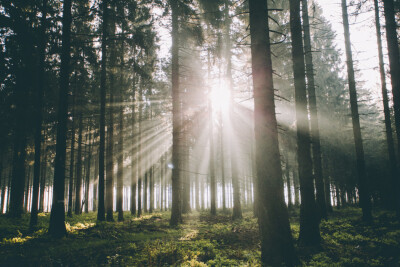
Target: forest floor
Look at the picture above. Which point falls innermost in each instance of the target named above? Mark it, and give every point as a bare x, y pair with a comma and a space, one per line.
202, 240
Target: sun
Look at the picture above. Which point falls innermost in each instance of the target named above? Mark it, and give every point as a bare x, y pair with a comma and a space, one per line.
220, 97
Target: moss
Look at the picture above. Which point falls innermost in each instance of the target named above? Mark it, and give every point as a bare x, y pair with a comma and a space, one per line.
202, 240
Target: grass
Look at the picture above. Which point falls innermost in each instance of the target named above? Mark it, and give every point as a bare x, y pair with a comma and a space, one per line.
202, 240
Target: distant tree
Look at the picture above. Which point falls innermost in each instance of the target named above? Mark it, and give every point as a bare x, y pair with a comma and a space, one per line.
365, 201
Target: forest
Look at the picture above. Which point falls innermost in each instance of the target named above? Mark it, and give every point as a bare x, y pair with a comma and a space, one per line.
199, 133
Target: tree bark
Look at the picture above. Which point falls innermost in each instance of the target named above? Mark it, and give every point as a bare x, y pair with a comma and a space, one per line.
176, 212
276, 239
57, 218
312, 102
72, 157
39, 117
309, 224
394, 63
78, 187
101, 208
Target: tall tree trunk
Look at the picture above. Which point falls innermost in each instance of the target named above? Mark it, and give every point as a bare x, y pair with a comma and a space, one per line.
133, 160
386, 110
26, 197
151, 186
312, 101
309, 224
176, 212
43, 174
57, 218
212, 160
72, 157
88, 164
394, 63
276, 239
140, 160
222, 152
110, 127
39, 117
365, 201
101, 208
120, 158
78, 187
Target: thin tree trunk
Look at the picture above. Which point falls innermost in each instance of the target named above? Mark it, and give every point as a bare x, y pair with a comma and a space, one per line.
39, 117
28, 181
276, 239
57, 218
120, 158
43, 174
309, 223
365, 201
72, 157
140, 160
110, 128
89, 159
101, 208
312, 101
78, 187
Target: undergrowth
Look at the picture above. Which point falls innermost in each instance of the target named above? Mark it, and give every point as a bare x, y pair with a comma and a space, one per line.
202, 240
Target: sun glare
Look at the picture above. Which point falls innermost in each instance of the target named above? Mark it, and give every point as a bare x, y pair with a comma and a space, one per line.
220, 97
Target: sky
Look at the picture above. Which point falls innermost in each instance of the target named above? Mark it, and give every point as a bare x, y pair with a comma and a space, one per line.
363, 40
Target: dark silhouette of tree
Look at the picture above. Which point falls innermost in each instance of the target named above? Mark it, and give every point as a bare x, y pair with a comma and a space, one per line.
276, 239
57, 218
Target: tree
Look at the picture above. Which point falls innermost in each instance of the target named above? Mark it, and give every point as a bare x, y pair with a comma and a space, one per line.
57, 218
394, 63
176, 211
276, 239
312, 100
309, 227
101, 208
39, 117
365, 201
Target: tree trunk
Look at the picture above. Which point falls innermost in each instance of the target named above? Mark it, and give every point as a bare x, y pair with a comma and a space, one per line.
101, 208
39, 117
72, 157
312, 101
43, 174
78, 187
140, 160
120, 159
110, 127
309, 225
386, 110
365, 201
176, 212
394, 63
88, 164
57, 218
276, 239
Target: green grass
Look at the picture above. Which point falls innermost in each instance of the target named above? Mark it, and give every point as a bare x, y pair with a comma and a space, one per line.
202, 240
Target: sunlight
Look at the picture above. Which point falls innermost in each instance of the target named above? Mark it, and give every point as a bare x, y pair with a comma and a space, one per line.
220, 97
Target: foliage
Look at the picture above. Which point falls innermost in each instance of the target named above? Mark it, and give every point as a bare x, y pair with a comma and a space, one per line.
202, 240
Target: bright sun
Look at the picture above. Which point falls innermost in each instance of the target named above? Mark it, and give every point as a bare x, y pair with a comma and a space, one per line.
220, 97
